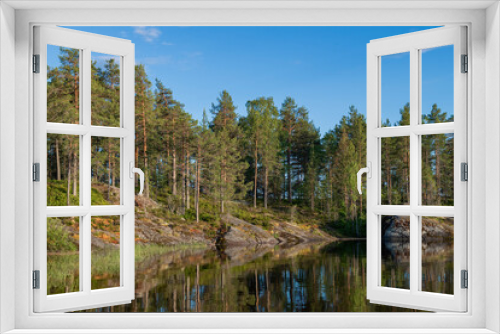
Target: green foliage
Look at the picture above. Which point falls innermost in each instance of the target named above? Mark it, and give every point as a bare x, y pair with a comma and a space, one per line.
97, 198
58, 238
251, 216
208, 217
265, 156
57, 194
190, 214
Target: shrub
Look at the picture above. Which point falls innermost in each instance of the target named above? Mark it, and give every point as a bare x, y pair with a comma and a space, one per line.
190, 214
58, 239
208, 217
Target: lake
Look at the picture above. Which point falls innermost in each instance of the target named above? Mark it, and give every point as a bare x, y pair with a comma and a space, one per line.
310, 277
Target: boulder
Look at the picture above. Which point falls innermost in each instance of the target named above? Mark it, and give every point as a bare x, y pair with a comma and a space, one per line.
433, 229
239, 232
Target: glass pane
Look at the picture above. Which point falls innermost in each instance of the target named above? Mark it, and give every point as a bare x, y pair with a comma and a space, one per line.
63, 255
105, 171
437, 84
437, 254
105, 89
395, 252
395, 174
105, 252
437, 169
63, 170
395, 89
63, 85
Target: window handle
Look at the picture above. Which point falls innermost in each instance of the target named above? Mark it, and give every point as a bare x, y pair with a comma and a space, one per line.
368, 171
134, 170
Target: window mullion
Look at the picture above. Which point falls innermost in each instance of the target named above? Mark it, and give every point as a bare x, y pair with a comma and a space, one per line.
86, 175
414, 172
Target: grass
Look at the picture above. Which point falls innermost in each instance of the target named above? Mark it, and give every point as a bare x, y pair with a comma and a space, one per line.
63, 269
57, 194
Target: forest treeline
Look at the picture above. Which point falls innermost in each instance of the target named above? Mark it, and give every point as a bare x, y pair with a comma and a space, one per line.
268, 154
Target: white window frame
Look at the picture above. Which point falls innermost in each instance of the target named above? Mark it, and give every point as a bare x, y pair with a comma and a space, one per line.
86, 43
483, 101
413, 44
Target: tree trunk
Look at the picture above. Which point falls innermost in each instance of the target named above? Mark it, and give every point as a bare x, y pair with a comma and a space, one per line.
145, 143
183, 184
266, 182
289, 164
312, 197
113, 174
188, 181
198, 185
438, 175
388, 175
75, 174
174, 161
58, 161
255, 177
68, 203
136, 161
329, 197
174, 172
223, 181
109, 169
221, 195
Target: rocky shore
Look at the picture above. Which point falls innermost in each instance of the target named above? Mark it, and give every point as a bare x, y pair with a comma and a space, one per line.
433, 229
233, 232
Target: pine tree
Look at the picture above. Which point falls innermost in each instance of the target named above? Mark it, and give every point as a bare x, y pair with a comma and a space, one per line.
271, 144
165, 105
143, 112
229, 166
290, 116
262, 132
63, 106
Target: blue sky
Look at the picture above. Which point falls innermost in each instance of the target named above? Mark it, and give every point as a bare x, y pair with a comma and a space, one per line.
323, 68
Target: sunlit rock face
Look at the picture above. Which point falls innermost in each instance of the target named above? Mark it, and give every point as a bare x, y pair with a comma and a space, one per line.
433, 229
240, 232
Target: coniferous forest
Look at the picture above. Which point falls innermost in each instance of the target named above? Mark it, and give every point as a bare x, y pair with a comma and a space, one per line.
267, 154
247, 201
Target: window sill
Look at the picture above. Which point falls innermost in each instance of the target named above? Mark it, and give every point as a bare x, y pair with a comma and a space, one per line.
249, 331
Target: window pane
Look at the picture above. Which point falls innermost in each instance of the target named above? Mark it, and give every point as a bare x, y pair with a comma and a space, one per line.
395, 252
63, 255
437, 254
105, 171
105, 252
395, 89
395, 174
437, 170
63, 170
63, 85
105, 90
437, 84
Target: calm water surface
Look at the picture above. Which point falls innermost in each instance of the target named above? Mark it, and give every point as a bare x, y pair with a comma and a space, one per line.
300, 278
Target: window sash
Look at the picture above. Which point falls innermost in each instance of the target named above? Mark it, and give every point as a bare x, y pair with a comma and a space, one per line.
413, 43
86, 297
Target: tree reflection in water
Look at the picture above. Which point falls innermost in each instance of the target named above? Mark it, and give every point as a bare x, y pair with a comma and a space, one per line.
308, 277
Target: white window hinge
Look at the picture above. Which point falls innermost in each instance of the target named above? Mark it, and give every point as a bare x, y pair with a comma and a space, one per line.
36, 172
465, 64
464, 171
36, 279
36, 63
464, 279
